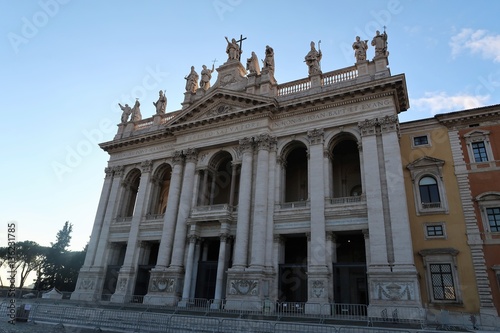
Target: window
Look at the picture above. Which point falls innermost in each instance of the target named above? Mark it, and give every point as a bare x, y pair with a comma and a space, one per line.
489, 206
441, 275
428, 187
420, 140
434, 230
429, 192
442, 282
493, 218
478, 147
479, 150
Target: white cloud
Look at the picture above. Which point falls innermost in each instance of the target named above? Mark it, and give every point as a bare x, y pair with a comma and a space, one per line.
477, 42
438, 102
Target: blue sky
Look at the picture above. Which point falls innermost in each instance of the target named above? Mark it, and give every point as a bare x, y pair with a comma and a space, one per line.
67, 63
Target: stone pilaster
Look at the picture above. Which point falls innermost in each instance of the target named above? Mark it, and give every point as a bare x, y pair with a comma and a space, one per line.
318, 278
186, 290
221, 268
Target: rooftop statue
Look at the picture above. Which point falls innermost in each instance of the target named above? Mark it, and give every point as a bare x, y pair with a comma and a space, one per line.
192, 81
206, 75
233, 50
269, 60
380, 43
312, 59
360, 47
136, 112
161, 104
253, 64
127, 110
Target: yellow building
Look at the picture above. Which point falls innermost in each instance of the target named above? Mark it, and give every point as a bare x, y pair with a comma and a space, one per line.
442, 255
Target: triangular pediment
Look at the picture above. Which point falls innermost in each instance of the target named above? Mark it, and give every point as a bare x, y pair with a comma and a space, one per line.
219, 105
424, 162
476, 133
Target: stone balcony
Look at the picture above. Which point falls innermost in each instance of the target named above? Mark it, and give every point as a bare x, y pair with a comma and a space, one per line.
213, 212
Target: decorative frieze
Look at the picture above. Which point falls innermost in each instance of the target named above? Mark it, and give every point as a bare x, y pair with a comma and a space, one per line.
394, 291
244, 287
162, 284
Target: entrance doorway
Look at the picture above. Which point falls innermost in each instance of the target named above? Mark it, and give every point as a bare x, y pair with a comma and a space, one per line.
350, 282
207, 269
293, 272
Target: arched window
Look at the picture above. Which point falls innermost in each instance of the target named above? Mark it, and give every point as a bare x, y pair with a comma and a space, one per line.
296, 182
429, 190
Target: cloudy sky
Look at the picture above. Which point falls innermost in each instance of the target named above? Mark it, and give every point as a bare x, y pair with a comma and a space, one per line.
67, 63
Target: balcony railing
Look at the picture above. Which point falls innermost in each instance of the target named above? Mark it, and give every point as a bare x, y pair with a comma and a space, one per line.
294, 204
347, 200
431, 205
154, 217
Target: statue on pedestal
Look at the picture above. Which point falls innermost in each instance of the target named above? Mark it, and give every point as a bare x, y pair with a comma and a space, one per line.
380, 43
360, 47
233, 50
136, 112
161, 104
127, 110
192, 81
269, 60
206, 75
312, 59
253, 64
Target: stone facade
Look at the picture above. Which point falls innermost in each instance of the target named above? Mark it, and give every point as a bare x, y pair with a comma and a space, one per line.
259, 191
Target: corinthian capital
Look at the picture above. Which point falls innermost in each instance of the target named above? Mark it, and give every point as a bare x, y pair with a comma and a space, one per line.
265, 141
178, 157
191, 155
316, 136
246, 145
146, 166
367, 126
389, 123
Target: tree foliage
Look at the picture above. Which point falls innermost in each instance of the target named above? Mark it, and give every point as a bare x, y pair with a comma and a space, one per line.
29, 257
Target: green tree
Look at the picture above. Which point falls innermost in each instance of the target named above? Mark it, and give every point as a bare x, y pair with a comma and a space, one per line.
29, 257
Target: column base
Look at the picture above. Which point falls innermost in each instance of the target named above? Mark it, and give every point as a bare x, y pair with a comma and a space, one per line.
124, 286
89, 284
318, 281
247, 290
165, 287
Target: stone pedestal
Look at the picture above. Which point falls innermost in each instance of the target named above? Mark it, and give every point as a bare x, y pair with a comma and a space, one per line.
381, 69
89, 285
232, 75
363, 71
318, 282
124, 286
315, 80
165, 287
246, 290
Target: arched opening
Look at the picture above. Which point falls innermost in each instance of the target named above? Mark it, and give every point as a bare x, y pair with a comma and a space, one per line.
130, 189
296, 178
161, 186
346, 170
218, 185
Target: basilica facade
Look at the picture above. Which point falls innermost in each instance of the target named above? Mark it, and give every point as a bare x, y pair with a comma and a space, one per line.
258, 191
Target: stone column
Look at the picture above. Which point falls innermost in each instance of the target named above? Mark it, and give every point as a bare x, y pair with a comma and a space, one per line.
260, 203
126, 276
244, 201
197, 253
196, 186
113, 202
327, 174
99, 218
204, 189
186, 291
221, 268
318, 275
184, 209
373, 184
270, 205
91, 276
167, 235
234, 168
366, 235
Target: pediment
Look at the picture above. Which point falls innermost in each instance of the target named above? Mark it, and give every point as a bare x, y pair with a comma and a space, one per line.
424, 162
219, 105
476, 133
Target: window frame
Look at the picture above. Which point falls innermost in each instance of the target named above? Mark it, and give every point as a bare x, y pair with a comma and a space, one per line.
413, 137
441, 256
476, 136
488, 200
435, 224
433, 167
